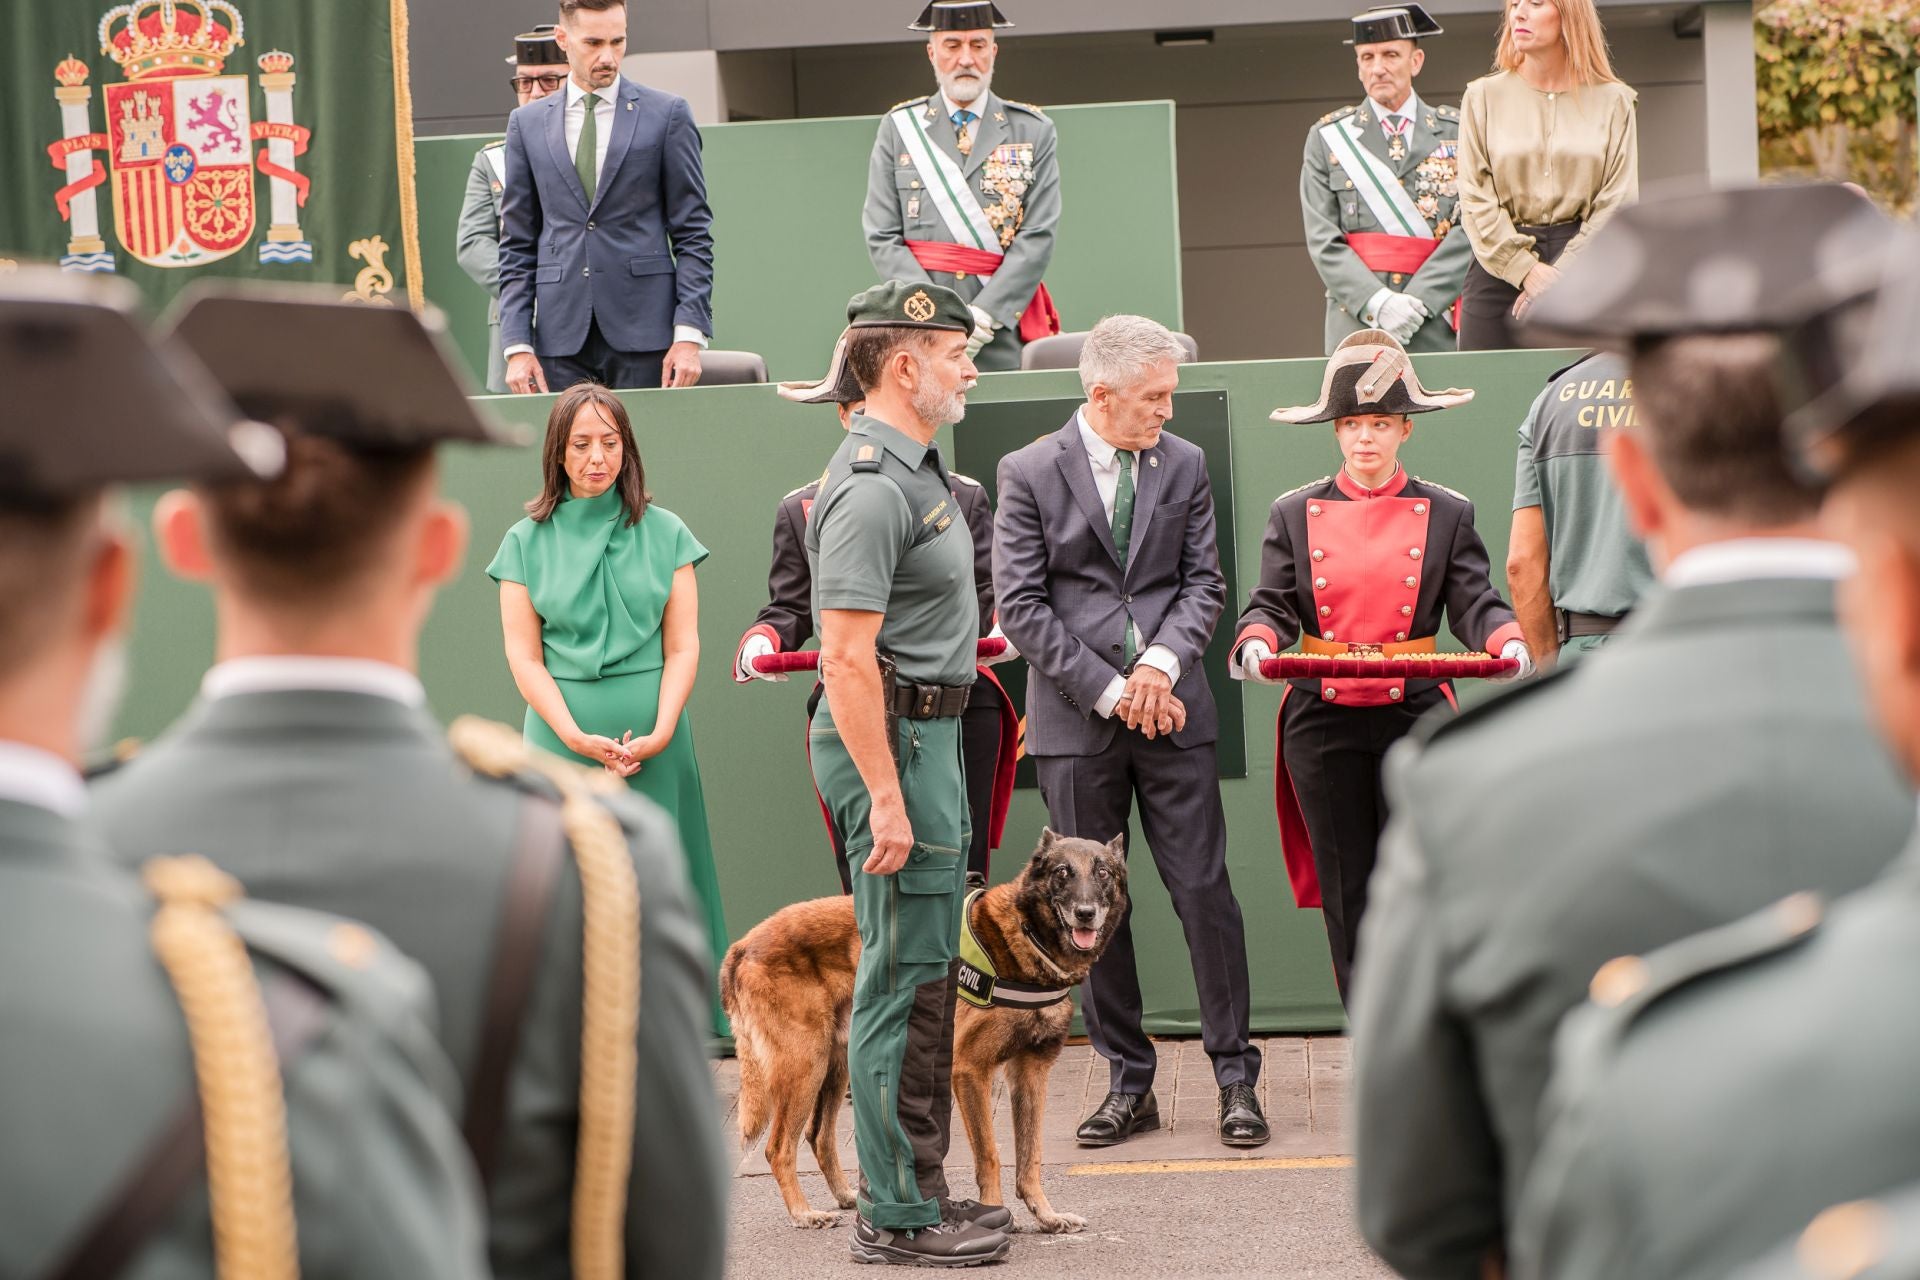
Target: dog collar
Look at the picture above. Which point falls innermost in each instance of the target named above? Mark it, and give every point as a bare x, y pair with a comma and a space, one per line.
980, 986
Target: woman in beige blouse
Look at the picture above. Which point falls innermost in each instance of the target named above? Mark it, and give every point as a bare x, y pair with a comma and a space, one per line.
1548, 150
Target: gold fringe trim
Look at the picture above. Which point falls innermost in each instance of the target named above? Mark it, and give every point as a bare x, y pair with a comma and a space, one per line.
610, 1012
403, 144
249, 1173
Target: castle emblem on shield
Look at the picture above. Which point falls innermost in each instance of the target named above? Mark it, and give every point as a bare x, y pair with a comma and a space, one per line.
178, 143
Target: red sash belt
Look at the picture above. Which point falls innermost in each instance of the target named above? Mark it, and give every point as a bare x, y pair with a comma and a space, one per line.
1405, 254
1039, 320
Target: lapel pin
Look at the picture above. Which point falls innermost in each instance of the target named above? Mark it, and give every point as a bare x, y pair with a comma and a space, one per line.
1152, 461
629, 104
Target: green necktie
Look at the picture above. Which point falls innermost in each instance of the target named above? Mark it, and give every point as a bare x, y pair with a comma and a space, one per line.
583, 155
1123, 533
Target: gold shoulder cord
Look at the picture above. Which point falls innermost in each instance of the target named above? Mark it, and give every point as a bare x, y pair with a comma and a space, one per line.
249, 1175
610, 1014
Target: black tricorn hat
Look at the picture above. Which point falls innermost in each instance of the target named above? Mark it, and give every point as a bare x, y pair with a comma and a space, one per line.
537, 48
1392, 22
1369, 372
839, 386
960, 15
75, 358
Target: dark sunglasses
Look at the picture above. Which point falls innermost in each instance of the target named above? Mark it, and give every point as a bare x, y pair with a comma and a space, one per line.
520, 84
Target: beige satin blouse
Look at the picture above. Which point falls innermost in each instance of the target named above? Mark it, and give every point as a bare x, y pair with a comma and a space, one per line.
1535, 159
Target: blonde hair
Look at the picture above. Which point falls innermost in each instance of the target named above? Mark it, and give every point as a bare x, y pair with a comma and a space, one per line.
1581, 34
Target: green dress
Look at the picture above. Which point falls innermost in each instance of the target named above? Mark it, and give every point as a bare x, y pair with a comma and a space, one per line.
601, 589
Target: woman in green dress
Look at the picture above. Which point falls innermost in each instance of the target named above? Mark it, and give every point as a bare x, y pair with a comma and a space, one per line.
601, 617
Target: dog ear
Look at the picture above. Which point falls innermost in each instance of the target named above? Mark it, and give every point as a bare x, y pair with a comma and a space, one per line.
1048, 838
1038, 862
1118, 846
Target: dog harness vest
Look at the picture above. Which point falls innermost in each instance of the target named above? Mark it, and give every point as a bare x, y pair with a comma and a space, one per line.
982, 988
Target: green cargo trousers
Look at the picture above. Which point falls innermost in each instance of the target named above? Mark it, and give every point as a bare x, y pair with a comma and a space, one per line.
1580, 646
900, 1049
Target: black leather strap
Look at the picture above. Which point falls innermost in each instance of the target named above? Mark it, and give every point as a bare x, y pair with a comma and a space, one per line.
1570, 625
930, 701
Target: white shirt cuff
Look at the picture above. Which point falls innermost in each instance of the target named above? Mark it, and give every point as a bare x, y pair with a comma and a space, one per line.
687, 333
518, 348
1161, 658
1111, 698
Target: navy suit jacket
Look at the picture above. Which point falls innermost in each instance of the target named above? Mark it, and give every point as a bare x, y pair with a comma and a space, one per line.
639, 260
1064, 596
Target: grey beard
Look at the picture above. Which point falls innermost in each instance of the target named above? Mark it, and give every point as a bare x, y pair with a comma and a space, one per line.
947, 87
930, 405
100, 700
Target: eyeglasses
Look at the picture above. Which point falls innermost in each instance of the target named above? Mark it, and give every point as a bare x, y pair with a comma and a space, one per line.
524, 84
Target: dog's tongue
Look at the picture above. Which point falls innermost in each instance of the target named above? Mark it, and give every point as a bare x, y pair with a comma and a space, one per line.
1085, 938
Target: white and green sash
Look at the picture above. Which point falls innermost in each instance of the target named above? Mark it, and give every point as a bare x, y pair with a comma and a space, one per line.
1377, 184
946, 185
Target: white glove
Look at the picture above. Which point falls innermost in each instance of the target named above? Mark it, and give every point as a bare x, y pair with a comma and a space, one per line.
983, 327
1401, 316
1008, 655
1252, 654
1517, 649
757, 646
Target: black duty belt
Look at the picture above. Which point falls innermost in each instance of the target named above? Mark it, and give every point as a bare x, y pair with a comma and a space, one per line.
1568, 625
929, 701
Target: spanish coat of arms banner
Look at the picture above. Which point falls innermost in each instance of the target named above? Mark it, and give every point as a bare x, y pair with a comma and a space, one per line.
164, 140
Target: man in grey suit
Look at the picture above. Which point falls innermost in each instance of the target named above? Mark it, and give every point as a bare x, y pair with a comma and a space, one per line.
1107, 570
963, 189
310, 771
539, 68
1715, 757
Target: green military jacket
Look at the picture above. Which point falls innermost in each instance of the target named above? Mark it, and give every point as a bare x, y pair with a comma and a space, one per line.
1719, 1093
355, 804
95, 1067
478, 246
1012, 172
1718, 756
1333, 203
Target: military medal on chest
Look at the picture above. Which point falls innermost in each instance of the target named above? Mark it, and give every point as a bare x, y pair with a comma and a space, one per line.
1397, 148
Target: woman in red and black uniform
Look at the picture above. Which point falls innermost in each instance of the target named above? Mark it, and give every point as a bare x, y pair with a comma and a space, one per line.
1371, 556
989, 729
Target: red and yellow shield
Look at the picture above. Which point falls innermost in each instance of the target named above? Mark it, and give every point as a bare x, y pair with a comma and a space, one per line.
182, 169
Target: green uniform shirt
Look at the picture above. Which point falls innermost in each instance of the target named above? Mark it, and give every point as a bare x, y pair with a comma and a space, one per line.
597, 584
887, 537
1595, 563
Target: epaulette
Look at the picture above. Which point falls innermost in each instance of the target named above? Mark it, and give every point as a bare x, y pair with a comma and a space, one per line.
908, 103
1447, 113
964, 479
1027, 107
1428, 731
1311, 484
123, 753
864, 464
494, 145
1434, 484
1341, 114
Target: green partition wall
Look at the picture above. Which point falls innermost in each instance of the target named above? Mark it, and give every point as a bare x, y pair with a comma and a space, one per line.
789, 251
721, 457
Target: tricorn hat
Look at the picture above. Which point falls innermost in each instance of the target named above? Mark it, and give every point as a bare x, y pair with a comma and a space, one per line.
73, 350
1392, 22
959, 15
838, 387
537, 48
1369, 372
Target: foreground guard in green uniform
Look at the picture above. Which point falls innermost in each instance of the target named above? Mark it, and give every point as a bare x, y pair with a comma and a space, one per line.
1717, 757
310, 770
1716, 1095
282, 1056
892, 566
1574, 564
963, 189
539, 68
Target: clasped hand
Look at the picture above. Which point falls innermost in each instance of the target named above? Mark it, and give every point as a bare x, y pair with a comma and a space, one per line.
1147, 703
621, 756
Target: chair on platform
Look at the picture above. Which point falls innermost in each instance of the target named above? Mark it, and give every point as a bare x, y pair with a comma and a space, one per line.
1062, 351
731, 368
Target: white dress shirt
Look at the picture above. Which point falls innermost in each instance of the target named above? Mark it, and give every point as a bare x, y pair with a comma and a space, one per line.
1408, 111
29, 775
573, 120
1758, 559
310, 674
1106, 462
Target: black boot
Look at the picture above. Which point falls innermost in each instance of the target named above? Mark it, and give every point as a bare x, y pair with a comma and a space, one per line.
949, 1243
1241, 1123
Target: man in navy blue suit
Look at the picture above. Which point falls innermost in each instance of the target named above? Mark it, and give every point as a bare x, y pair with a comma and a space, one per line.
606, 241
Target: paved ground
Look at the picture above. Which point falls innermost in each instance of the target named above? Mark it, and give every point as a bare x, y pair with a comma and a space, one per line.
1171, 1203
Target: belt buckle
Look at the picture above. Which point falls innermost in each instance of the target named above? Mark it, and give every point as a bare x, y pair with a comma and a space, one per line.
1360, 649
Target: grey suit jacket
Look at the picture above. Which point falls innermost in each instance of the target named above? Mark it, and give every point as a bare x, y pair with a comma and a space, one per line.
1716, 757
1064, 596
478, 248
354, 804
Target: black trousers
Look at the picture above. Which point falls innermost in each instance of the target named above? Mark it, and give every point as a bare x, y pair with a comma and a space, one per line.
1333, 754
597, 361
980, 751
1178, 790
1486, 304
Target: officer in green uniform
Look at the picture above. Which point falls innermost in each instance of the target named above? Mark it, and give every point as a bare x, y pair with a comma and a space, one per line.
283, 1055
1717, 757
1716, 1095
556, 926
539, 68
1574, 564
892, 567
963, 189
1378, 195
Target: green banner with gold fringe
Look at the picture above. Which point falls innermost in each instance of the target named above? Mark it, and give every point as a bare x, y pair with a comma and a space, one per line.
165, 140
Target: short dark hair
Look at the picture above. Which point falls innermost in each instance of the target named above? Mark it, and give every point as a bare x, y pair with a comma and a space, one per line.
570, 7
1711, 416
871, 346
43, 549
313, 532
632, 480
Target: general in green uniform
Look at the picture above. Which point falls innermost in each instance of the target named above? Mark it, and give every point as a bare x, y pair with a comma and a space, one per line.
286, 1055
888, 548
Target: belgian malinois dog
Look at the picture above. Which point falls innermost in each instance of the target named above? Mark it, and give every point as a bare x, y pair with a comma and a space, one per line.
788, 986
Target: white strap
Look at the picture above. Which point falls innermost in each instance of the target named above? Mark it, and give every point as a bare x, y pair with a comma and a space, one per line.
946, 185
497, 161
1377, 184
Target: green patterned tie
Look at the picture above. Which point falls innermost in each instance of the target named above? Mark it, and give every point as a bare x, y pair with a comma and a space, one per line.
583, 155
1123, 532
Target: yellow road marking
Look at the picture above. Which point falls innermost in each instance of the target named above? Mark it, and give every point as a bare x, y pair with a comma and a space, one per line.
1210, 1166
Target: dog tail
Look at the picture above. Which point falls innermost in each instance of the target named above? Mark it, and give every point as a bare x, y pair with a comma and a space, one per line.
754, 1110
